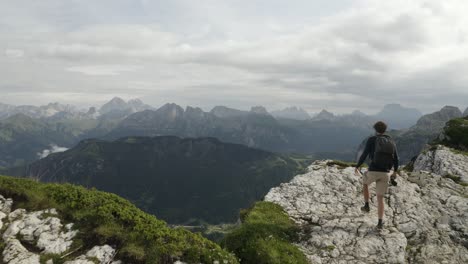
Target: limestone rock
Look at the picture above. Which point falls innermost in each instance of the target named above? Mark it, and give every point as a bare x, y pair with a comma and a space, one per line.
5, 205
42, 231
425, 218
40, 228
16, 253
443, 161
104, 254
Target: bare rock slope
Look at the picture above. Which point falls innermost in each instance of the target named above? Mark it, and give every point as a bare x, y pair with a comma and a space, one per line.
426, 218
443, 161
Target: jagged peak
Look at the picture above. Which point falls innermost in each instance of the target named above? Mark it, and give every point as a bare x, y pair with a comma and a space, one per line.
324, 115
259, 110
292, 112
171, 110
224, 111
394, 107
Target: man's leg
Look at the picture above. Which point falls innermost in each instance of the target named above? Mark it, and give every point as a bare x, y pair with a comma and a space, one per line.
380, 201
380, 209
381, 188
365, 191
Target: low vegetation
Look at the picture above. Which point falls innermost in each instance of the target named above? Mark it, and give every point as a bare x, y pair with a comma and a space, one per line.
456, 179
341, 164
106, 218
265, 236
456, 134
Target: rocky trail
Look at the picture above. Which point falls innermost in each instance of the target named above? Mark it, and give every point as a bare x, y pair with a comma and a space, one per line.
426, 217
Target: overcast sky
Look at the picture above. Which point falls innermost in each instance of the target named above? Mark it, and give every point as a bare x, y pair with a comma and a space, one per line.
335, 54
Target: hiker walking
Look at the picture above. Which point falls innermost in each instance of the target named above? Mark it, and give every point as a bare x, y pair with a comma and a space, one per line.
382, 152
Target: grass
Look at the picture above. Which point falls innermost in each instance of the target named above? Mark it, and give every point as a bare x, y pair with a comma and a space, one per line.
107, 218
341, 164
266, 236
456, 179
330, 248
409, 167
457, 151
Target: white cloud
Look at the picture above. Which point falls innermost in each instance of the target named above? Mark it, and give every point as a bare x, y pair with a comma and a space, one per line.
103, 70
410, 52
14, 53
53, 149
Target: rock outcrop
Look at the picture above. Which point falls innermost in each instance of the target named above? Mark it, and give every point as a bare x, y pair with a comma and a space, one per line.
28, 236
412, 141
425, 218
443, 161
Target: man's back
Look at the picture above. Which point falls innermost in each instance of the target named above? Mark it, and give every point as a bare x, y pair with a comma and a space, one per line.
383, 162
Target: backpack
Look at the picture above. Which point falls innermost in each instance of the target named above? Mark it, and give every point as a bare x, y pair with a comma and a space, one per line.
384, 152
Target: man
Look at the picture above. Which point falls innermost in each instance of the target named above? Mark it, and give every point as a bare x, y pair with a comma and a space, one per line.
383, 154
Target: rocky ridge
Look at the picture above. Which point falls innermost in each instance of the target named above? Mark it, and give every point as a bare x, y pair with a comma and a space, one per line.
443, 161
29, 237
425, 217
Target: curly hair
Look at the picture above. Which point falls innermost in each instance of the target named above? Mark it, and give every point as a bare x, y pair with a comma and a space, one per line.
380, 127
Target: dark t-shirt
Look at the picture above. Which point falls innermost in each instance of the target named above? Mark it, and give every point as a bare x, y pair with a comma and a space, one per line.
369, 151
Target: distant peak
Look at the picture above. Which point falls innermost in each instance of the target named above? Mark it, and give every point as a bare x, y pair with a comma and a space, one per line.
259, 110
117, 99
450, 108
393, 105
324, 115
135, 100
224, 111
172, 110
358, 113
170, 105
324, 112
292, 112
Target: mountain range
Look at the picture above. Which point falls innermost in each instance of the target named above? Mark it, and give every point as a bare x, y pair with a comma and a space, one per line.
325, 135
179, 180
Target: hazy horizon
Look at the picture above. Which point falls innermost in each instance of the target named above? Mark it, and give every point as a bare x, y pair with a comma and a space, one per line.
337, 55
207, 109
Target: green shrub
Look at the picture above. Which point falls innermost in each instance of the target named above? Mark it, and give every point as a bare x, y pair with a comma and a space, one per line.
456, 132
106, 218
265, 236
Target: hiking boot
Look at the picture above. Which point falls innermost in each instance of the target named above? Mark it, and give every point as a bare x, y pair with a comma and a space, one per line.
365, 208
380, 226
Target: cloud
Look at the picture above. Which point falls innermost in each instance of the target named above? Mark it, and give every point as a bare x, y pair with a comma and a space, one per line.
53, 149
345, 55
103, 70
14, 53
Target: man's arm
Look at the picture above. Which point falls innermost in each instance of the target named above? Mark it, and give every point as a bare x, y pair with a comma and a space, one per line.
364, 154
